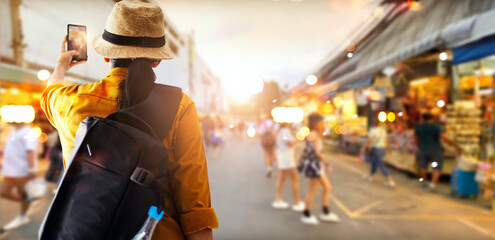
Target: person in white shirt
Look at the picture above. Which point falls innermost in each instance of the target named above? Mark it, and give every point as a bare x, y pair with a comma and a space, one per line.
287, 166
19, 166
376, 147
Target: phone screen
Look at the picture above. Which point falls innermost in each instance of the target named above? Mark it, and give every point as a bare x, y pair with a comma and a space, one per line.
77, 41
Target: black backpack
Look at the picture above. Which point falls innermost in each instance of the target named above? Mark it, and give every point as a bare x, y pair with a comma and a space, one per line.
116, 171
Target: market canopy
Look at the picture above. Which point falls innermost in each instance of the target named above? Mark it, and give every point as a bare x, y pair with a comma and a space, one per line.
469, 30
18, 74
477, 50
360, 83
412, 34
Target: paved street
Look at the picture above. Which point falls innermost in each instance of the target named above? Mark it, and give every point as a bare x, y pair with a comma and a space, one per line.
241, 195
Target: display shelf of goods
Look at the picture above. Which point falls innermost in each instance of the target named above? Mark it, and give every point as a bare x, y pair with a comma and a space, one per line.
464, 127
486, 177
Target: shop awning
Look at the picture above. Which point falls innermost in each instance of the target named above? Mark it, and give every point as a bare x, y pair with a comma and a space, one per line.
412, 34
469, 30
360, 83
328, 95
380, 63
17, 74
477, 50
13, 73
344, 68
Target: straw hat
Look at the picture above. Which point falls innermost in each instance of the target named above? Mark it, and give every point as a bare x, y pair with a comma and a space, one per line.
133, 30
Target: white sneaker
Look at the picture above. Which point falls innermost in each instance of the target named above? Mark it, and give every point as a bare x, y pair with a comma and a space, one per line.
331, 217
280, 205
17, 222
299, 207
310, 220
368, 178
390, 183
431, 187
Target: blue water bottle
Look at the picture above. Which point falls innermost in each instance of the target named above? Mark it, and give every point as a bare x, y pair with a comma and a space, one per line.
147, 229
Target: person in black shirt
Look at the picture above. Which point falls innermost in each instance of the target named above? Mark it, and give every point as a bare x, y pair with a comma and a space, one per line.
428, 135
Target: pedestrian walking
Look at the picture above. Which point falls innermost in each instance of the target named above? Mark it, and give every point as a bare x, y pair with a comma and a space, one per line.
376, 147
241, 129
19, 166
287, 166
54, 173
314, 166
232, 131
268, 143
207, 126
133, 43
428, 136
217, 138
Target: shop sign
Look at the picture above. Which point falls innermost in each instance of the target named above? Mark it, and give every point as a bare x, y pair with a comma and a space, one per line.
401, 85
395, 104
326, 109
377, 95
469, 82
362, 97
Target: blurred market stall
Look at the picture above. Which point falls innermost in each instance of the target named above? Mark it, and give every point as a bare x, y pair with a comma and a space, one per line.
408, 58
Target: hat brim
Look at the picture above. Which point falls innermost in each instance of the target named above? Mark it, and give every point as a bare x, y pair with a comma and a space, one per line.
110, 50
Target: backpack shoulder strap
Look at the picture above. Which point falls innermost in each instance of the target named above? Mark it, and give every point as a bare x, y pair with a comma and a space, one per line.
159, 109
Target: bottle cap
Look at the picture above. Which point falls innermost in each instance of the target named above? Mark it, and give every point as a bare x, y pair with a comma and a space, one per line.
153, 212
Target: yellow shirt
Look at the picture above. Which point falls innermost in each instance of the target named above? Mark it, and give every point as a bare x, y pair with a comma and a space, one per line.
187, 193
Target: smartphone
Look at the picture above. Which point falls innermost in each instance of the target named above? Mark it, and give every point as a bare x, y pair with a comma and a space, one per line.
76, 40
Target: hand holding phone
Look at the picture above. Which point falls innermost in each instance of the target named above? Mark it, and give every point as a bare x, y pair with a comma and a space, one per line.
77, 40
64, 63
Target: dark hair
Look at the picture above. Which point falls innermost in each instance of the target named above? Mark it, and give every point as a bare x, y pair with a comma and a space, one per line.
313, 119
427, 116
139, 81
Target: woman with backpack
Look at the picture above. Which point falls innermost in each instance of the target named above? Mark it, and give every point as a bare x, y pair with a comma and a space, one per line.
314, 166
287, 166
133, 43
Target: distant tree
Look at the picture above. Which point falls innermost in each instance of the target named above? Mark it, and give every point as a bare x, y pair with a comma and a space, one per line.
259, 104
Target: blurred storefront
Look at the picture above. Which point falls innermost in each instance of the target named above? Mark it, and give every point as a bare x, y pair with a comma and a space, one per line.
21, 87
437, 59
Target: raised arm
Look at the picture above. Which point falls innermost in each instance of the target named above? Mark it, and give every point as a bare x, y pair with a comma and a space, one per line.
64, 63
446, 139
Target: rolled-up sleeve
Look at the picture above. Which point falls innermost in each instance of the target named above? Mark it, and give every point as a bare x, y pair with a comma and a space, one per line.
189, 174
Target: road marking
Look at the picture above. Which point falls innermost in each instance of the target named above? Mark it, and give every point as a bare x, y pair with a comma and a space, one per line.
349, 167
441, 199
373, 204
450, 202
476, 227
342, 206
